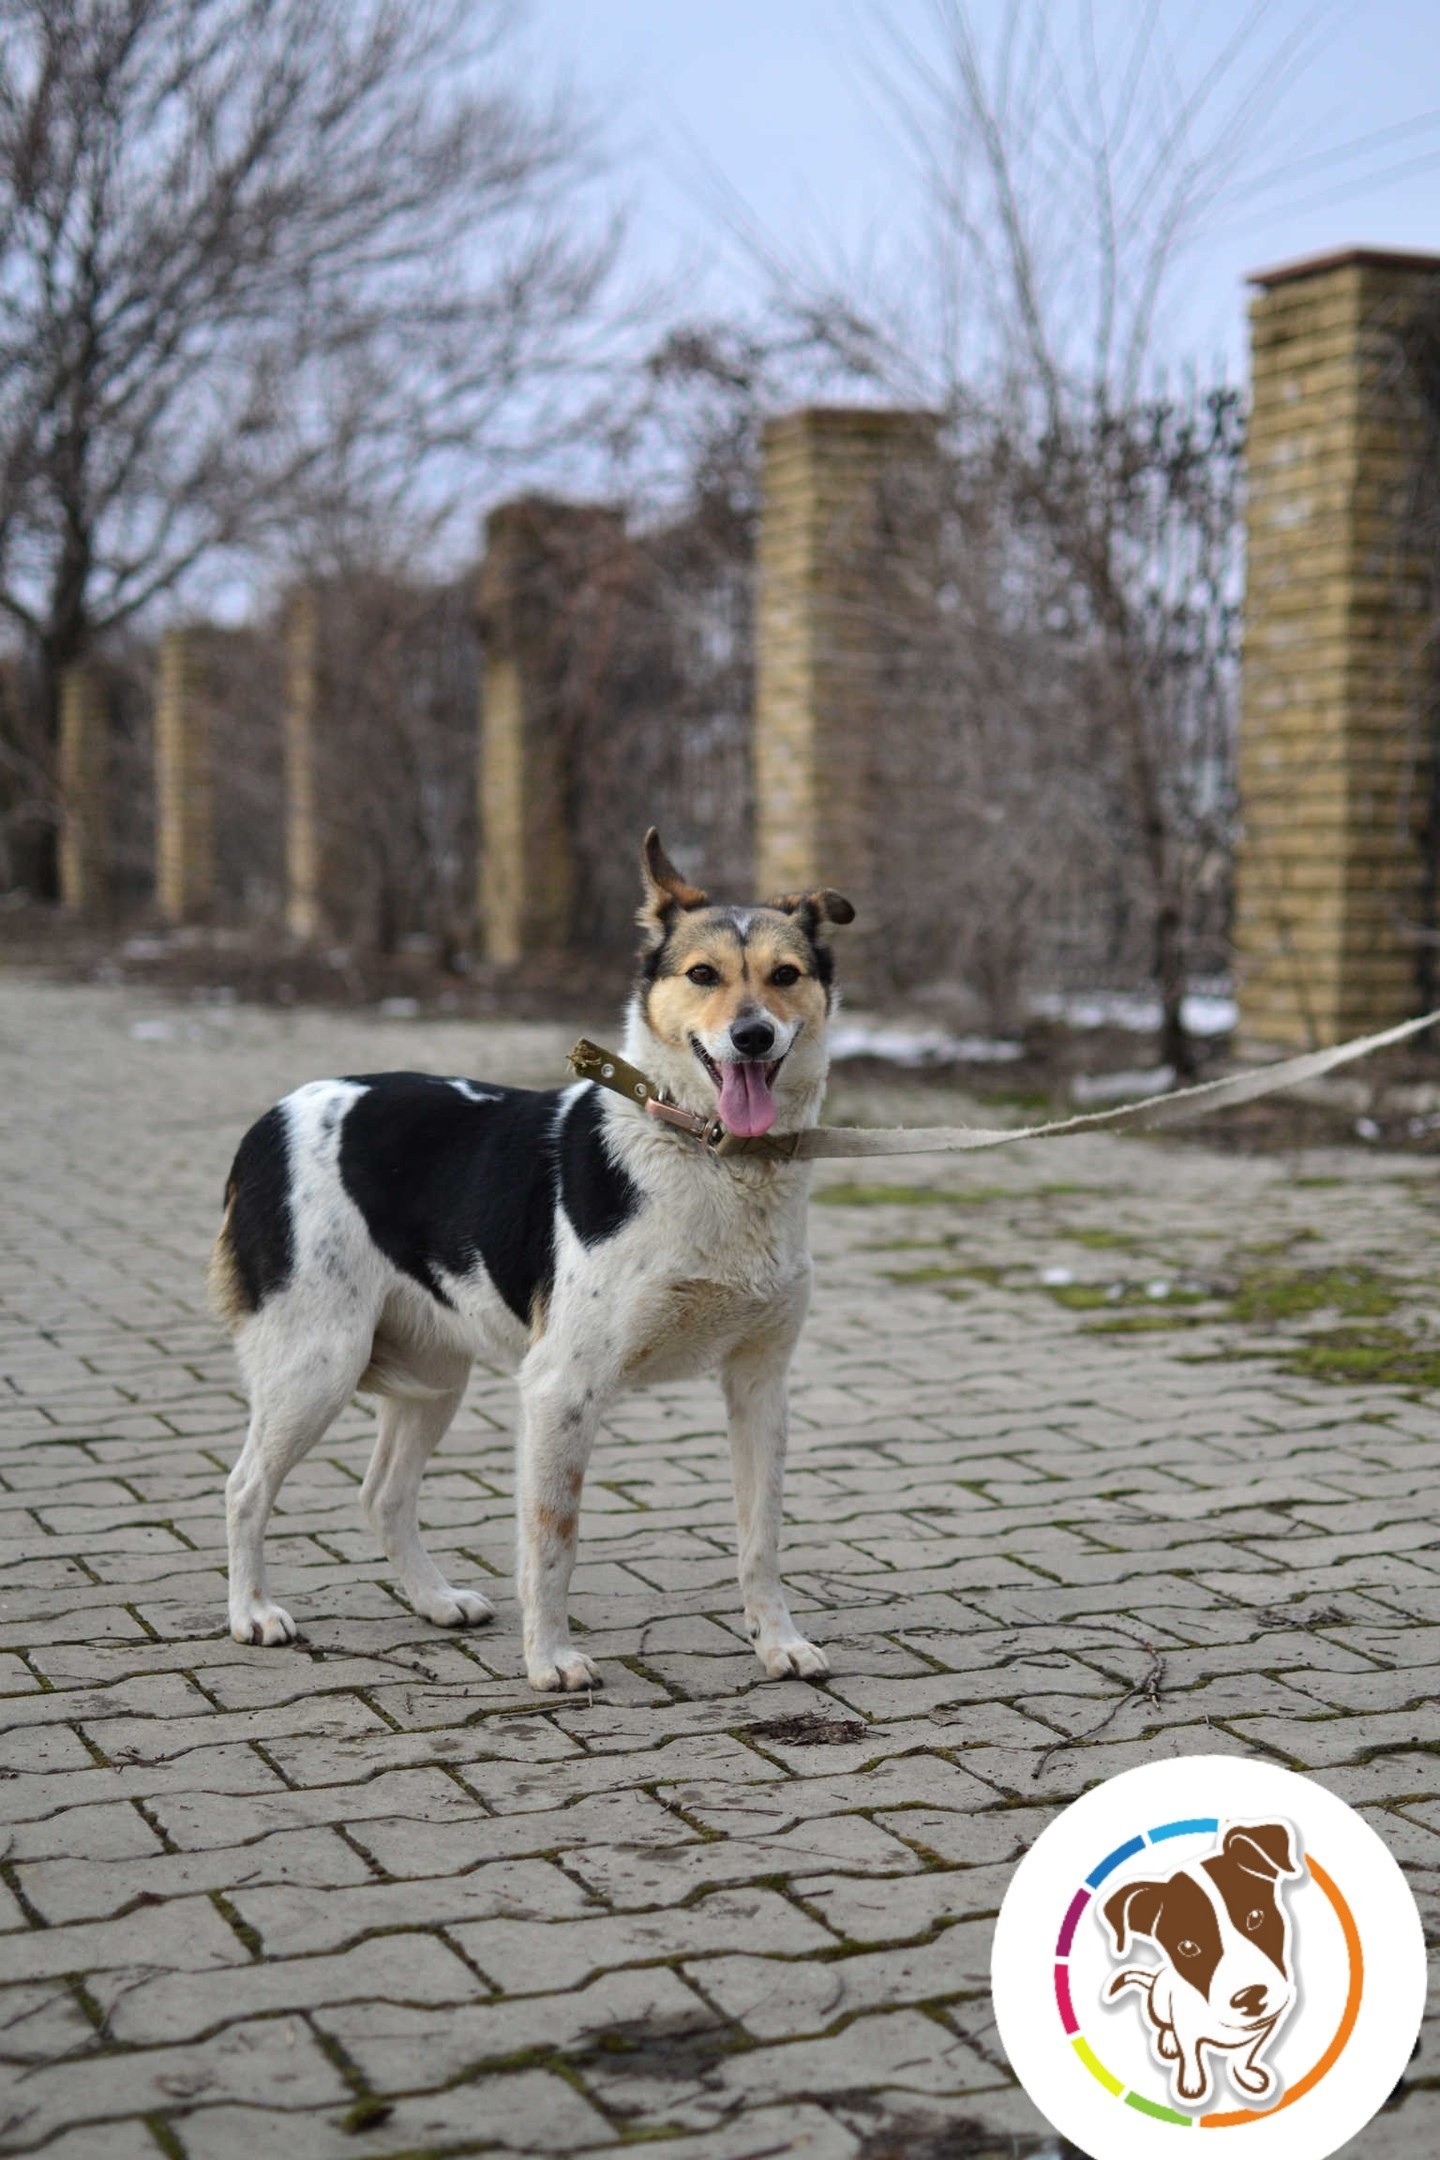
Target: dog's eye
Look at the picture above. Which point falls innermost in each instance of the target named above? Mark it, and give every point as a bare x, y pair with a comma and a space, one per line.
1189, 1949
784, 976
703, 974
1254, 1920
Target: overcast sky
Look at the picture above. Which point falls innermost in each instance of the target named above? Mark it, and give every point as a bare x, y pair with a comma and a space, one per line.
772, 94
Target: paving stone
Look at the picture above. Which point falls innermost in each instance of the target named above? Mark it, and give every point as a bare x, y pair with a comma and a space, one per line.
777, 1997
710, 1907
630, 1875
526, 2109
81, 1890
275, 2060
293, 1920
41, 2021
422, 1848
397, 2047
186, 1935
409, 1968
104, 2141
528, 1957
902, 2051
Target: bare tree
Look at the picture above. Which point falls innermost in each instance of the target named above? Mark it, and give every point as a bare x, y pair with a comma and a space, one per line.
270, 271
1061, 182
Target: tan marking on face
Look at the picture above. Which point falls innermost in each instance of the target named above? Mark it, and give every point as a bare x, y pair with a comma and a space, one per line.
677, 1008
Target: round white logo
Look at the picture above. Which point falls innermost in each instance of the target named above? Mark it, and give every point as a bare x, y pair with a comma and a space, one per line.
1209, 1943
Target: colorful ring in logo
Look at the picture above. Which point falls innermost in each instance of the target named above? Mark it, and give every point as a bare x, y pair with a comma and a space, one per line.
1197, 1826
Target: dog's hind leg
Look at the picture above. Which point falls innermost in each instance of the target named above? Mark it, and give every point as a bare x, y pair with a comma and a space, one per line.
754, 1380
297, 1389
410, 1431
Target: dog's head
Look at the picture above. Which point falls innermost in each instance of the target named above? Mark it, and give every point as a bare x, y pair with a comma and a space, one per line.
1222, 1926
733, 1002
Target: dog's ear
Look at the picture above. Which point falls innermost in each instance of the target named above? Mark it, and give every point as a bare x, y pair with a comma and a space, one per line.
822, 905
1263, 1849
665, 889
1135, 1910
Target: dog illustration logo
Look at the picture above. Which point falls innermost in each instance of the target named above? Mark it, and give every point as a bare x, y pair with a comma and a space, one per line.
1227, 1979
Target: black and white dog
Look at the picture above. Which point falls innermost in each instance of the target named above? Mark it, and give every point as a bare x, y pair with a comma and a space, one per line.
380, 1233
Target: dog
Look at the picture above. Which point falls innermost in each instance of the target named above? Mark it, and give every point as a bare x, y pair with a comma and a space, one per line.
1227, 1982
382, 1232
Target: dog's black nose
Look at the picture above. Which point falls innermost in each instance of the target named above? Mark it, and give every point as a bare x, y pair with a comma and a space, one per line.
753, 1038
1249, 2001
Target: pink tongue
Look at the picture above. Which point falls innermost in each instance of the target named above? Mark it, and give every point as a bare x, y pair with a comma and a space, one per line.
747, 1106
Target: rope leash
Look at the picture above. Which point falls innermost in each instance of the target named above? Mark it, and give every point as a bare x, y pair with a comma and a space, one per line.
1152, 1113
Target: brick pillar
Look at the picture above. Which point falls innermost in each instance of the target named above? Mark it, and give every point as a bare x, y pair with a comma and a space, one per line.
184, 783
846, 526
1329, 873
539, 555
304, 840
85, 789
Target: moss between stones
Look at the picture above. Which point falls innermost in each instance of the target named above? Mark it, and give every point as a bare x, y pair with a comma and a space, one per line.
850, 1195
1359, 1292
1377, 1357
367, 2114
941, 1272
1145, 1323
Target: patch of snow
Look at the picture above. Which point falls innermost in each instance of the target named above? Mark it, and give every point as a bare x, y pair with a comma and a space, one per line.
146, 948
1204, 1012
919, 1046
1056, 1278
398, 1008
1366, 1129
1101, 1088
152, 1031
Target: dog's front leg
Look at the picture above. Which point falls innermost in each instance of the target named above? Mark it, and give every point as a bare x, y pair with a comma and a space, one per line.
1192, 2071
1253, 2077
754, 1380
559, 1417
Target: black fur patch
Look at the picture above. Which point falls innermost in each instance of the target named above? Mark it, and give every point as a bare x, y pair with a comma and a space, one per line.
599, 1195
261, 1236
443, 1181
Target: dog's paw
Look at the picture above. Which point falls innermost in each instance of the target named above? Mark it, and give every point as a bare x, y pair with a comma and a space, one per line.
566, 1671
454, 1608
793, 1659
1168, 2045
263, 1626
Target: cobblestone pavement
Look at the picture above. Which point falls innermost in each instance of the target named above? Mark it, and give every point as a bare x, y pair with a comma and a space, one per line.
1082, 1475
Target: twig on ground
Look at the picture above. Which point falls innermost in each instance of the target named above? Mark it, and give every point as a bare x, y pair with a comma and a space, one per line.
1149, 1685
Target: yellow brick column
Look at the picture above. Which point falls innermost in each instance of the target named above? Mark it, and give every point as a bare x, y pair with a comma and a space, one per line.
847, 506
539, 555
85, 789
184, 781
304, 839
1329, 873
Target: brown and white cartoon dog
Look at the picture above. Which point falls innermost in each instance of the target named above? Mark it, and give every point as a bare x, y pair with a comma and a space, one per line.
1228, 1981
381, 1233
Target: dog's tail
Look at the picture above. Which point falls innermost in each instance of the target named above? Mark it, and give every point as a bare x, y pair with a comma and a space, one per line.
1135, 1976
229, 1300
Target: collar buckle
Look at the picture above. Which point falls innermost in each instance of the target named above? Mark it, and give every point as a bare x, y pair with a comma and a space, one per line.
694, 1122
